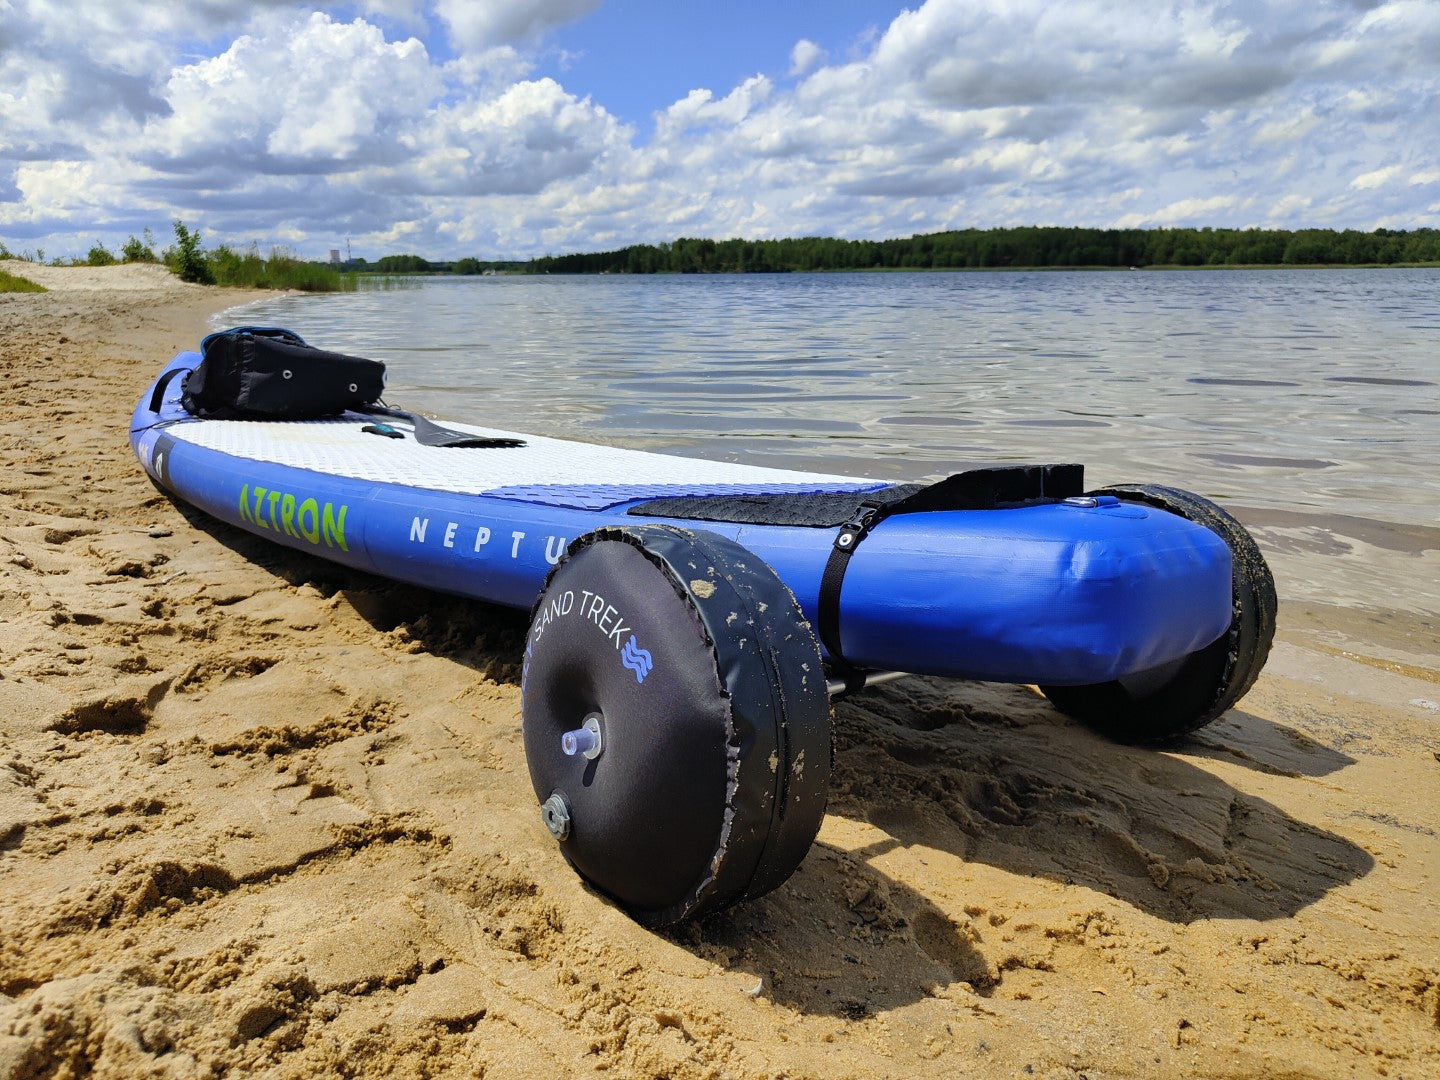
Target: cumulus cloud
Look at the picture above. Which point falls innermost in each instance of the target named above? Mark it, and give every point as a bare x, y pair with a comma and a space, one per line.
424, 122
302, 96
492, 38
701, 109
531, 136
804, 56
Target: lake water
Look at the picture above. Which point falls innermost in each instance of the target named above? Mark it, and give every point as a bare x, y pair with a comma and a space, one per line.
1307, 401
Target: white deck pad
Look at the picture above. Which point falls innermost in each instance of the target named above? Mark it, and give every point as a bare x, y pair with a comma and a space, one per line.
341, 448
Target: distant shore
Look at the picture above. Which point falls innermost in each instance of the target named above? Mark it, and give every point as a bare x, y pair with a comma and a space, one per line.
262, 813
1014, 248
950, 269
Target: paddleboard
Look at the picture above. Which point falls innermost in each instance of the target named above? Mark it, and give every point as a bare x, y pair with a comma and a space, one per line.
1071, 592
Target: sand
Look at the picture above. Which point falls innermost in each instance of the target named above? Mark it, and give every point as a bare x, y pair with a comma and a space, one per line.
263, 814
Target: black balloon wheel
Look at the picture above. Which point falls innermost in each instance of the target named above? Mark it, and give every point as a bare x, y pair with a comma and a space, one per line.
1164, 703
676, 720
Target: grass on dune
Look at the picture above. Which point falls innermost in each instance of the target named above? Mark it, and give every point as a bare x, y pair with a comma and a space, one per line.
15, 283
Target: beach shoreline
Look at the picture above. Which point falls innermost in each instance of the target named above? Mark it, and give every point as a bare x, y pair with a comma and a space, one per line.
261, 812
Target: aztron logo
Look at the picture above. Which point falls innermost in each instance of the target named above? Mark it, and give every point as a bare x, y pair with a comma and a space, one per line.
636, 659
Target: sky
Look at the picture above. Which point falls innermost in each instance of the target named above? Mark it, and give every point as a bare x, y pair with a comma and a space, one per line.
513, 128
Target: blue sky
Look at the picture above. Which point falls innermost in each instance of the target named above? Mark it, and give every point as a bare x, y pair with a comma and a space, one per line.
510, 128
639, 56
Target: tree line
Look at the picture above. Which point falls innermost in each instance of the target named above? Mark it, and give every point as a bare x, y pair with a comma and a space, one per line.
416, 264
1013, 248
961, 249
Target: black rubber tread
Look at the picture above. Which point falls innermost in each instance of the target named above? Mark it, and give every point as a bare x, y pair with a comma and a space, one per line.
806, 509
715, 769
1208, 681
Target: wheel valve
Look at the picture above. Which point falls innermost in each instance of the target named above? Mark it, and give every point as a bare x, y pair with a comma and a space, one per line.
584, 740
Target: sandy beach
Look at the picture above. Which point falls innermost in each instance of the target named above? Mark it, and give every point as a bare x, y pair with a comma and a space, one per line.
263, 814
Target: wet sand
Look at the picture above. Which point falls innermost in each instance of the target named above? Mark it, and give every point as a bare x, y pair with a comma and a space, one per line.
261, 813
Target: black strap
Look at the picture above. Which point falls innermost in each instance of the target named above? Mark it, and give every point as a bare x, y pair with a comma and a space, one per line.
974, 489
157, 396
828, 604
429, 433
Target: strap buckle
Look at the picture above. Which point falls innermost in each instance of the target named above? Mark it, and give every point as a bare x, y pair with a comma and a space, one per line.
860, 523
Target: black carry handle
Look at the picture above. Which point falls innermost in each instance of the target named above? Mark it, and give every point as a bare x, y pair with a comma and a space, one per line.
157, 396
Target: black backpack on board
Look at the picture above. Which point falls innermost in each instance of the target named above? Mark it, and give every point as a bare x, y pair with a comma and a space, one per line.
263, 372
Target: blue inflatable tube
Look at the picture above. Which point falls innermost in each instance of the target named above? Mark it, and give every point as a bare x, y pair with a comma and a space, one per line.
1064, 593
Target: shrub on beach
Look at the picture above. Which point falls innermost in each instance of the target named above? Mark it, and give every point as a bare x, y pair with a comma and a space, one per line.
231, 267
187, 258
287, 272
190, 261
282, 270
135, 250
246, 269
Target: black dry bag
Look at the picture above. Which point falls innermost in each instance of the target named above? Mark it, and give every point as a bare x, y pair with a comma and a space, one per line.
261, 372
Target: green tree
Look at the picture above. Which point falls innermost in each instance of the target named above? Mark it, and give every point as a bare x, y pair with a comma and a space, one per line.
187, 258
1310, 247
401, 264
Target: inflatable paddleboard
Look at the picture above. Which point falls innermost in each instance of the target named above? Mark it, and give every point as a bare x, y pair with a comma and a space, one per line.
703, 602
